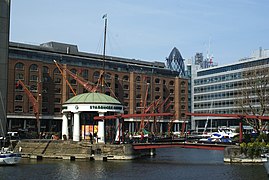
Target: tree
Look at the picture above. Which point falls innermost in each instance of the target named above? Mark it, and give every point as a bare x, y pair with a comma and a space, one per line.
253, 97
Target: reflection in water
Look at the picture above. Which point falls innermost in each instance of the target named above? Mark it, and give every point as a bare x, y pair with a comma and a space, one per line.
175, 163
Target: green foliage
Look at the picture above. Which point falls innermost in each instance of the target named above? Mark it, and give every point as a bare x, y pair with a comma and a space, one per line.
255, 147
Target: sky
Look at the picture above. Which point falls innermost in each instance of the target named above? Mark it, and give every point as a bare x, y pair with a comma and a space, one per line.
147, 30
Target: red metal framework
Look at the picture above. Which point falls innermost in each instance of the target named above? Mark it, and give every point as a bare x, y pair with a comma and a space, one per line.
238, 116
90, 87
131, 115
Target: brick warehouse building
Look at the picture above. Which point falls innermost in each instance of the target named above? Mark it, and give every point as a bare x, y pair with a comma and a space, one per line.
128, 79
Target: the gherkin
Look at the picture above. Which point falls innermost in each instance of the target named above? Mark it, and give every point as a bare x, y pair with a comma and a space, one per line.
175, 62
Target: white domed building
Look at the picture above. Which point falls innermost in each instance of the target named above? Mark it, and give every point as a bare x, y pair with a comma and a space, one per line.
75, 109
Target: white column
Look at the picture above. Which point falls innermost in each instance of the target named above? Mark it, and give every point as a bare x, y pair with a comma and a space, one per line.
101, 129
10, 125
24, 124
117, 138
65, 126
76, 128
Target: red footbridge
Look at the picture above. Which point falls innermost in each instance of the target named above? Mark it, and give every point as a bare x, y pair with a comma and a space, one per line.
156, 145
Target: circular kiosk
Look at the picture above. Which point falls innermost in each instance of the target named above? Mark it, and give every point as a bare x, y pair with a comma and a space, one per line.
92, 103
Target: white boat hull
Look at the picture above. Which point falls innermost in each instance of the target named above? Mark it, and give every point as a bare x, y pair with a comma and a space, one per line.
9, 158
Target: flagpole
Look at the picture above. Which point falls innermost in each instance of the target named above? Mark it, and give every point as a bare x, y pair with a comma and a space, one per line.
104, 54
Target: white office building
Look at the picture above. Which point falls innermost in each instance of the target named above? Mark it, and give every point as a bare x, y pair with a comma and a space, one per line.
215, 89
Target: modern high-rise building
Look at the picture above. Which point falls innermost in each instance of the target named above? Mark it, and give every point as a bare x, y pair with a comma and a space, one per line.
175, 62
216, 90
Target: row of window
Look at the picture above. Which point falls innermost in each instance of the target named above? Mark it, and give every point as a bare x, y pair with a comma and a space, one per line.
227, 103
222, 95
83, 73
19, 109
215, 79
218, 87
234, 67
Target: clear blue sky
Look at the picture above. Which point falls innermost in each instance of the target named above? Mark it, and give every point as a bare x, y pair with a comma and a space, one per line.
146, 29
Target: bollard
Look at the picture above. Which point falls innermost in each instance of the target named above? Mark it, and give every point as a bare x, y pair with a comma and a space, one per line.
72, 158
104, 159
39, 158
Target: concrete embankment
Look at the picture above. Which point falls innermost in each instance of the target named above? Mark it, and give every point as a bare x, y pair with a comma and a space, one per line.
58, 149
234, 155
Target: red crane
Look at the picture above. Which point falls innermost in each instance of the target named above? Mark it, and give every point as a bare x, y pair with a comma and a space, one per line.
34, 101
90, 87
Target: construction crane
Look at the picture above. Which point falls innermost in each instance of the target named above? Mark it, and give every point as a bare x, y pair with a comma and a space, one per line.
90, 87
34, 101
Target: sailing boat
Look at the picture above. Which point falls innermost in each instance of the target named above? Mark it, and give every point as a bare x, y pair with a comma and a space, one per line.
7, 155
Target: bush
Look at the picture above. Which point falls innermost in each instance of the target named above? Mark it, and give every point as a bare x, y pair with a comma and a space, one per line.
254, 149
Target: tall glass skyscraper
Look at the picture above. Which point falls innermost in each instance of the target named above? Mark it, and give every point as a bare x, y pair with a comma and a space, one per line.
176, 62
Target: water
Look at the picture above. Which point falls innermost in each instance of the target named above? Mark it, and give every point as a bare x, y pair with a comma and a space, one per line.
175, 163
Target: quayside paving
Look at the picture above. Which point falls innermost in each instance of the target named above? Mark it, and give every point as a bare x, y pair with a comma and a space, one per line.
83, 150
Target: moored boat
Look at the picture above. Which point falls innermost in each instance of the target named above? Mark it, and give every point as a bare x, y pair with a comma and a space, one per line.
8, 157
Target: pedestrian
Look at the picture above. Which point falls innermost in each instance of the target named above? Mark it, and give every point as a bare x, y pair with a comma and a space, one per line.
91, 140
142, 137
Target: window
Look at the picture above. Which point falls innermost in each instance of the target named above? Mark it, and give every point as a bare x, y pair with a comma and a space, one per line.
73, 82
34, 78
171, 83
74, 71
45, 99
116, 77
125, 87
44, 109
57, 109
85, 73
19, 87
33, 88
125, 78
126, 95
157, 89
108, 76
45, 90
31, 109
138, 96
18, 98
45, 78
57, 90
56, 71
157, 81
57, 100
19, 66
57, 80
96, 74
19, 76
45, 70
138, 79
148, 79
33, 67
18, 109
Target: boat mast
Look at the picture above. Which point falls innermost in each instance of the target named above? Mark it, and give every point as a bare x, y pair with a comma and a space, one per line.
104, 55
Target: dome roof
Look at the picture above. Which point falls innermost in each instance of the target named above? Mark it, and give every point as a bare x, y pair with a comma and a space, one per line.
92, 98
